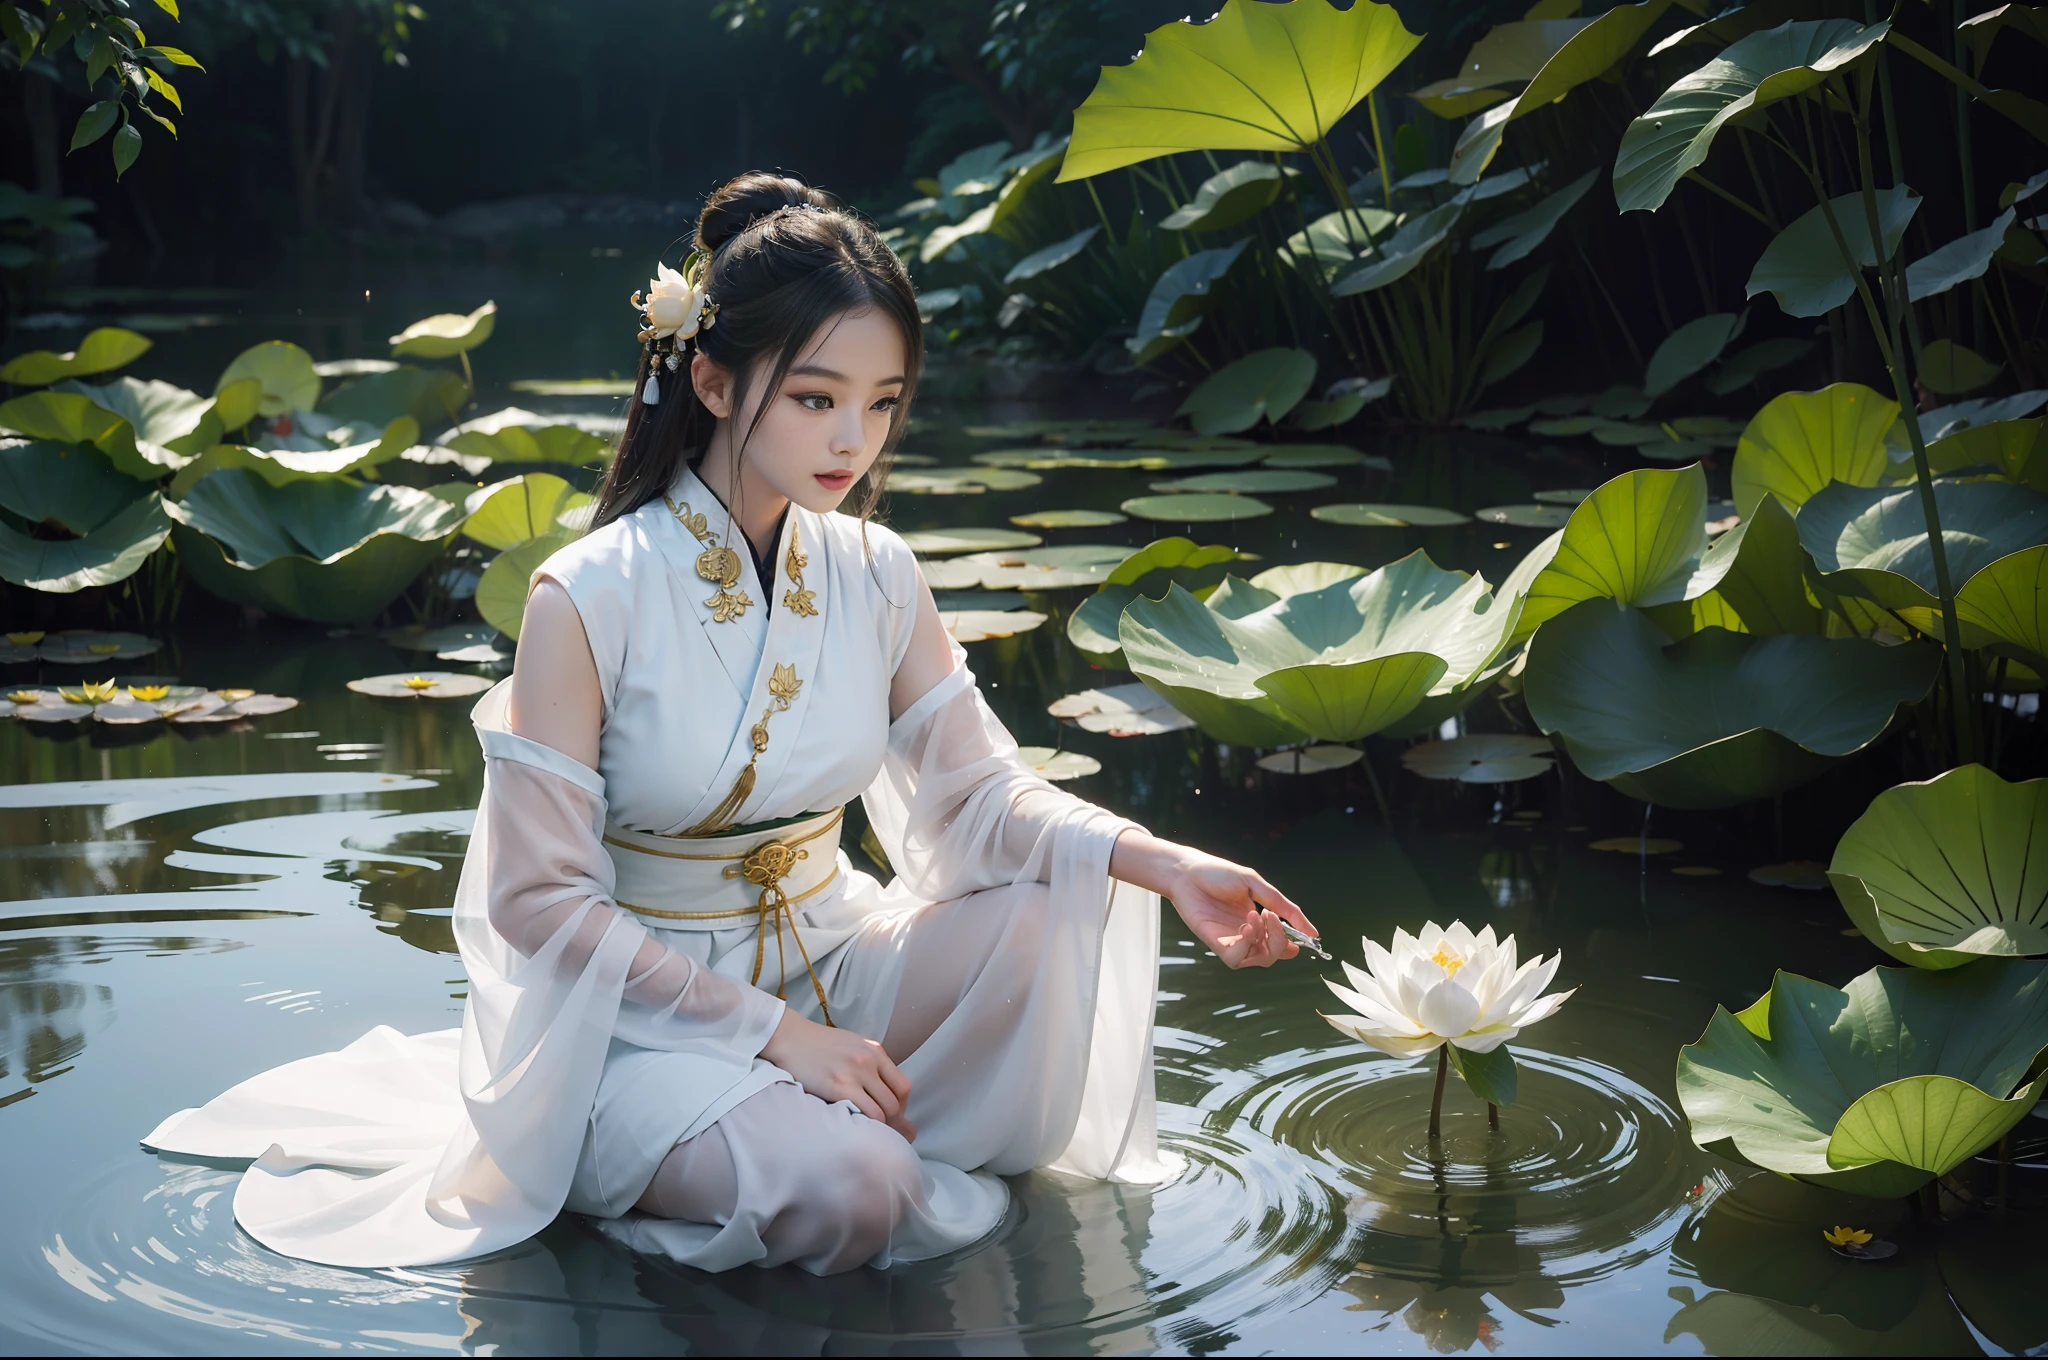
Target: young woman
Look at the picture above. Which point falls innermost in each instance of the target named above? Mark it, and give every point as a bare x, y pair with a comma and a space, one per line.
689, 1015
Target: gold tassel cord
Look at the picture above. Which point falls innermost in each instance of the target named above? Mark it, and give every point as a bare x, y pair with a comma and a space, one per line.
768, 865
783, 687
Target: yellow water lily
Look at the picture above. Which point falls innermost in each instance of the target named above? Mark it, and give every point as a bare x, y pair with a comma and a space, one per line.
420, 682
148, 694
26, 696
235, 695
1846, 1237
28, 639
103, 648
101, 692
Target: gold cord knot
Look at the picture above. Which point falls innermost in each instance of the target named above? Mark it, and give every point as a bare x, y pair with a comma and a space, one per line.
765, 866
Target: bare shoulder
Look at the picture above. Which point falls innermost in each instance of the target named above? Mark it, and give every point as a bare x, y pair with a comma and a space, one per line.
556, 699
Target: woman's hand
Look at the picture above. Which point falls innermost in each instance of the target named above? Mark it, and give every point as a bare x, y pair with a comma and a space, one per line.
836, 1064
1231, 909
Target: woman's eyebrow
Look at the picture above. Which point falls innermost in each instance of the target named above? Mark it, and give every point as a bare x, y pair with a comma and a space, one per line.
819, 371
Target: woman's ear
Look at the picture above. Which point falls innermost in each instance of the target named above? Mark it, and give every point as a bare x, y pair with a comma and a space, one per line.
713, 382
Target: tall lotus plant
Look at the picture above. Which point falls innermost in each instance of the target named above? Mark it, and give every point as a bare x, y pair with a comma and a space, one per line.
1459, 994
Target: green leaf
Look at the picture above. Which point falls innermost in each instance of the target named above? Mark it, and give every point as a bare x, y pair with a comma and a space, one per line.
939, 542
1341, 402
1901, 1076
168, 422
1380, 515
1398, 255
1524, 231
1332, 241
943, 238
1678, 129
1716, 718
1509, 53
1801, 441
1257, 77
324, 549
175, 56
1636, 540
1068, 519
1178, 299
1194, 508
100, 58
236, 404
1509, 352
1952, 369
1257, 481
1745, 365
1038, 569
1963, 259
522, 444
446, 334
520, 508
75, 486
96, 122
1490, 1075
1265, 384
1758, 570
70, 418
2005, 605
501, 593
127, 146
1802, 266
104, 349
1871, 542
429, 395
285, 372
1092, 627
1052, 256
1228, 197
112, 552
1689, 349
1942, 873
169, 7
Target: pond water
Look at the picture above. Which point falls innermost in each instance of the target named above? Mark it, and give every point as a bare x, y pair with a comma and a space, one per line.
179, 910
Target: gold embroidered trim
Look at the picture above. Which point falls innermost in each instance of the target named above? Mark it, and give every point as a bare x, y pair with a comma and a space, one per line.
783, 687
796, 599
837, 817
716, 563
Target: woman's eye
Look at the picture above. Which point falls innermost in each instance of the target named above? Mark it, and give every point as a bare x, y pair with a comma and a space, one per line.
815, 401
886, 404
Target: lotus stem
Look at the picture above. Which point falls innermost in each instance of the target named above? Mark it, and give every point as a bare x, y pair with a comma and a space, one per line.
1493, 1116
1436, 1099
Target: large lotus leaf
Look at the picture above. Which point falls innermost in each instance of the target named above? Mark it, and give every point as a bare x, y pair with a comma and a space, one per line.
111, 552
1952, 369
320, 548
1257, 77
1675, 133
521, 444
1747, 364
1092, 627
1717, 718
1508, 53
72, 418
1333, 241
1179, 297
1945, 872
1959, 261
1052, 256
1637, 540
1875, 1089
263, 463
1398, 255
1228, 197
501, 594
1265, 384
2016, 450
1758, 571
1871, 542
1337, 663
1586, 55
2005, 607
519, 508
161, 414
74, 486
397, 437
429, 395
1802, 266
1801, 441
284, 371
1524, 231
446, 335
1689, 349
102, 350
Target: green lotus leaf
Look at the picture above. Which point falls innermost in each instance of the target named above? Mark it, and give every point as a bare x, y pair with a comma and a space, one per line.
110, 553
1228, 197
532, 444
1801, 441
1257, 77
1509, 53
74, 486
164, 416
102, 350
1334, 240
1312, 455
320, 548
1296, 578
1068, 519
1061, 568
1179, 297
1943, 873
1336, 663
1052, 256
519, 508
1255, 480
1689, 349
1636, 540
285, 373
1952, 369
446, 335
1265, 384
1525, 516
262, 462
1758, 571
2016, 450
1959, 261
1675, 133
1716, 718
73, 418
431, 396
1195, 508
1344, 400
1397, 256
1590, 52
2005, 607
938, 542
397, 437
1802, 266
1745, 366
501, 593
1874, 1089
1524, 231
1871, 542
1382, 515
1092, 627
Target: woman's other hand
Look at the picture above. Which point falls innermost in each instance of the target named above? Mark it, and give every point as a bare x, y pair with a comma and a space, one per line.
1230, 908
836, 1064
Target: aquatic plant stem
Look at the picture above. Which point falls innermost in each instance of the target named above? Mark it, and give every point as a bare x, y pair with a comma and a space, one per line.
1493, 1116
1436, 1099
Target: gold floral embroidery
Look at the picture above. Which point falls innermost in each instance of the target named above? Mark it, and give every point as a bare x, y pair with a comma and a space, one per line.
796, 599
783, 687
717, 563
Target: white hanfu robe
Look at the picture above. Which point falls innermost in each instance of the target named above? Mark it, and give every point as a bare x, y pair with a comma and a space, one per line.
598, 1036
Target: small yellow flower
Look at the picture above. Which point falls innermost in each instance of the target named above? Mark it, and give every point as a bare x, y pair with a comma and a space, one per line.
90, 693
103, 648
28, 639
235, 695
420, 682
26, 696
148, 694
1846, 1237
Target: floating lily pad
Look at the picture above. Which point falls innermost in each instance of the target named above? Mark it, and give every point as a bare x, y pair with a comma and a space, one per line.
953, 601
943, 481
979, 625
1481, 758
417, 639
422, 685
1807, 875
1062, 568
1068, 519
1133, 710
1313, 456
1057, 765
1526, 516
1255, 480
1196, 508
1092, 627
1637, 845
1570, 495
446, 335
939, 542
950, 573
1386, 515
86, 646
1311, 760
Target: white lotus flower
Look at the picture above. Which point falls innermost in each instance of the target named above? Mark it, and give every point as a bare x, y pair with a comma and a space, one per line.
1447, 986
673, 304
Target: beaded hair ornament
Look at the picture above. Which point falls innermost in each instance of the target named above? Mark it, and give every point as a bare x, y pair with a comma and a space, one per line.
677, 305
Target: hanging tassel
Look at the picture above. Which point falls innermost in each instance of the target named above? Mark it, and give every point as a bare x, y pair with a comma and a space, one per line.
650, 391
721, 816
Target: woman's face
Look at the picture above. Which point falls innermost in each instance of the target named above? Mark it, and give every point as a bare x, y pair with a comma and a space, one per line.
827, 423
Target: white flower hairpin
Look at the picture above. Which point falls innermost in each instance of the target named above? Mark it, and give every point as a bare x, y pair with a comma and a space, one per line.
675, 308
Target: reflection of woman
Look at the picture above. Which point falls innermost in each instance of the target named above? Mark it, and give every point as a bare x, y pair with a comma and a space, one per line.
654, 867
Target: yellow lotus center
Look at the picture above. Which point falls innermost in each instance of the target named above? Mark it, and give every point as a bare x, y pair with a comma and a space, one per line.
1446, 960
29, 639
148, 693
421, 682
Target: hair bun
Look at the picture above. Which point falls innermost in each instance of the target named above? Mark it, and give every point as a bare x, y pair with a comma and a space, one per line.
747, 198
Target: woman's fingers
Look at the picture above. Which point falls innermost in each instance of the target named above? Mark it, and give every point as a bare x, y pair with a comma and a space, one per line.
1273, 900
892, 1074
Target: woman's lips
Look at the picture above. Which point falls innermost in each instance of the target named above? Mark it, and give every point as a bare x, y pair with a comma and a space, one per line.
835, 481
